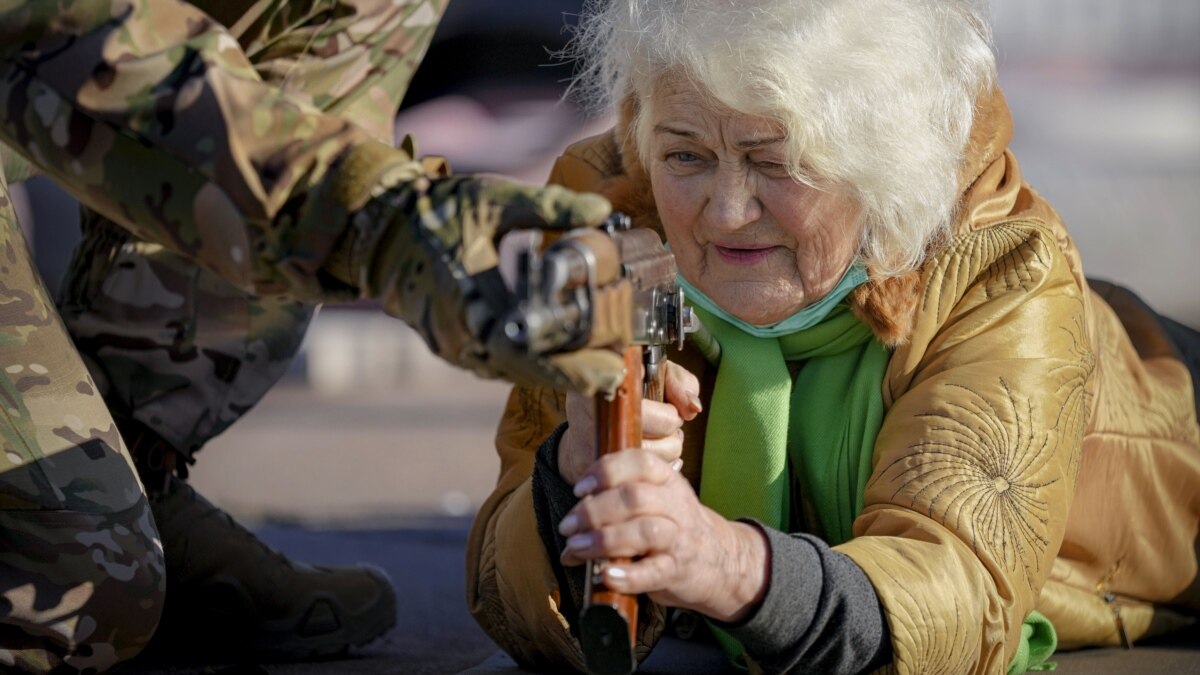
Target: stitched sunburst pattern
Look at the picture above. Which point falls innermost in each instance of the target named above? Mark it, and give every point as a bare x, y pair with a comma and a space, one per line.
985, 466
1073, 393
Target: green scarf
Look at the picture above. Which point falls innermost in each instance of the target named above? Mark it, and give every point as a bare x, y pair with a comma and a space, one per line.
823, 423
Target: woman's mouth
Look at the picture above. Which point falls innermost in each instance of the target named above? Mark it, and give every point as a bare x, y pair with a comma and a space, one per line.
744, 255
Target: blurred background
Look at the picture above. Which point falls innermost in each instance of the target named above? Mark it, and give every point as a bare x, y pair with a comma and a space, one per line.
371, 450
368, 430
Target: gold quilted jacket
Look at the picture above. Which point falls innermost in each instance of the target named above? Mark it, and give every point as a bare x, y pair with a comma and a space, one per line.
1039, 449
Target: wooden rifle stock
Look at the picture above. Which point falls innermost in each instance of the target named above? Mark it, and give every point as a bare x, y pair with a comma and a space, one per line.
608, 622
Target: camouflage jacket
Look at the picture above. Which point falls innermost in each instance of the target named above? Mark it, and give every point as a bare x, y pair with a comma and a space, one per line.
153, 113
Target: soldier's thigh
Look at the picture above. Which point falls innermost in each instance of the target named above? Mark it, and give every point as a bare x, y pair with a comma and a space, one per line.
81, 567
173, 347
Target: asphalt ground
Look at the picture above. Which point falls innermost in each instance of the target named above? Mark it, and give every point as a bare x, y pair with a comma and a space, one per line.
435, 633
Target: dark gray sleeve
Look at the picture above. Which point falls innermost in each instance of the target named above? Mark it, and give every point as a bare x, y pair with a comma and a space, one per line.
820, 614
553, 498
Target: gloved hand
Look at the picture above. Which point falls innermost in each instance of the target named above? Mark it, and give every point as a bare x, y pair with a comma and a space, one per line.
430, 255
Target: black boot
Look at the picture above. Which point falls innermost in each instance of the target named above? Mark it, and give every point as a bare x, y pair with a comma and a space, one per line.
229, 594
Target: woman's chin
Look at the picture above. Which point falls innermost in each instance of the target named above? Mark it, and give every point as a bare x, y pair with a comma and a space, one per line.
754, 305
762, 320
755, 316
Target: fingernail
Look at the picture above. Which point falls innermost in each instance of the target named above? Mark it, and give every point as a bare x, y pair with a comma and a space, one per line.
579, 541
695, 401
568, 525
676, 465
616, 572
585, 486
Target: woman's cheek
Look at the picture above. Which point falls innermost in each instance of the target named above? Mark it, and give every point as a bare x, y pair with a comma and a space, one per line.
674, 197
688, 253
678, 210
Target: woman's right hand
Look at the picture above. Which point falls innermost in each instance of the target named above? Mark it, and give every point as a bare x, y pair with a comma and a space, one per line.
662, 424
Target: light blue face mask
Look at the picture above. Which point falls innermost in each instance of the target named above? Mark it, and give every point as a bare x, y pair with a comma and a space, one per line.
808, 317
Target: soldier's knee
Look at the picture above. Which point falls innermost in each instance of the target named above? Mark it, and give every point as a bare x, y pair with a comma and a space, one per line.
85, 592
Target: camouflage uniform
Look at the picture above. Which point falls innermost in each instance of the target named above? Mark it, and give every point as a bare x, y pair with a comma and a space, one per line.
237, 159
180, 352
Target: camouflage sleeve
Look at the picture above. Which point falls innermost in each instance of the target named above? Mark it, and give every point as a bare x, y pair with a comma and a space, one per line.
178, 354
152, 114
16, 168
350, 58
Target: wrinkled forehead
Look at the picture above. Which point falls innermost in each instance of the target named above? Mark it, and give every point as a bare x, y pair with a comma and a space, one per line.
677, 106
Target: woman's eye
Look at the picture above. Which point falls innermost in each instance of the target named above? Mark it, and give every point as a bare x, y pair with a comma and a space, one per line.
683, 157
772, 168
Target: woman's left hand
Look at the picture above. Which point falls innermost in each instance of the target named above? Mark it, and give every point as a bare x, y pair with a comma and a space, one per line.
637, 506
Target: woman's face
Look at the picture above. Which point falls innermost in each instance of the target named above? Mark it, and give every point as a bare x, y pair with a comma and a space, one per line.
748, 235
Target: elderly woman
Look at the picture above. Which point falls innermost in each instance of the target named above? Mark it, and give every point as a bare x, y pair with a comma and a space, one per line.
926, 440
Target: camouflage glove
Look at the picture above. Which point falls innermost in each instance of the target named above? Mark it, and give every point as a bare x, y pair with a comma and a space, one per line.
427, 249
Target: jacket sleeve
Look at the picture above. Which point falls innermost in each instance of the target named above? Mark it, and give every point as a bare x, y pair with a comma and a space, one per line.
151, 113
975, 463
512, 590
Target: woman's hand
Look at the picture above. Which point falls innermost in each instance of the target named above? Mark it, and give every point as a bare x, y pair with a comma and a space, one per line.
662, 424
638, 506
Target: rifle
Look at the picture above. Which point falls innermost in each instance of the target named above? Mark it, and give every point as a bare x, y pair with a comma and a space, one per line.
610, 287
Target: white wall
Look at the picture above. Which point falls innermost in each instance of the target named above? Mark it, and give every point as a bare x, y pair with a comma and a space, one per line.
1118, 32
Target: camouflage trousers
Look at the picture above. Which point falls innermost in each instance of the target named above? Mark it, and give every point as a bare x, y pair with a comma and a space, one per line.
81, 565
173, 352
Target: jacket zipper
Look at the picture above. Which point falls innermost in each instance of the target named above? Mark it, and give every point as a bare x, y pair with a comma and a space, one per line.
1110, 599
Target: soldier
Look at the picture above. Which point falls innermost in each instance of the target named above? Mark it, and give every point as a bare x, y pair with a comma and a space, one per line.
237, 167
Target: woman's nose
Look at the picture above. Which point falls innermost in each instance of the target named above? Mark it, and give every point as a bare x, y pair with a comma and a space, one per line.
733, 202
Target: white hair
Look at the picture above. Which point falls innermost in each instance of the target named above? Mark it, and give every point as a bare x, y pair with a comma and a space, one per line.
877, 96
